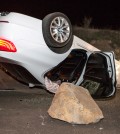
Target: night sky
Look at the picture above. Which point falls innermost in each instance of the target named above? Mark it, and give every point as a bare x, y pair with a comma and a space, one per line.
104, 14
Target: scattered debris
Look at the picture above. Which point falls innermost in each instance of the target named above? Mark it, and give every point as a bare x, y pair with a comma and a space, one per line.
100, 128
75, 105
52, 86
43, 120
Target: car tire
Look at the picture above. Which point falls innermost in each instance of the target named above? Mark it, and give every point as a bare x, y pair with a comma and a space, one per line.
57, 32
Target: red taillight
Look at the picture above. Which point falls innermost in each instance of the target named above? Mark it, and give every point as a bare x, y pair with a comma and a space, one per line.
6, 45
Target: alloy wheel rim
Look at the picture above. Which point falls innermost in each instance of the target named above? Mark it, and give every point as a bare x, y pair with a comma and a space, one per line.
60, 29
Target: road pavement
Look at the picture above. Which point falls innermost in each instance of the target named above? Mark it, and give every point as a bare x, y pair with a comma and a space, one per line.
24, 111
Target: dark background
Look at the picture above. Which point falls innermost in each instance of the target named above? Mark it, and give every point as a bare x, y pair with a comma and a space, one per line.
104, 14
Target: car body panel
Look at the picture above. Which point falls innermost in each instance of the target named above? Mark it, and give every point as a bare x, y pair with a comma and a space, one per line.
30, 44
34, 55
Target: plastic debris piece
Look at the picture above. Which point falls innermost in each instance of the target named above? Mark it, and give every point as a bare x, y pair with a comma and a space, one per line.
52, 86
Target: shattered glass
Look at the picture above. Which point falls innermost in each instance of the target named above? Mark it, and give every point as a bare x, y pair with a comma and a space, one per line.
92, 86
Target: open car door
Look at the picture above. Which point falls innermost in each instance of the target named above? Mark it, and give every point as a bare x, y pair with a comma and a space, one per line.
100, 75
93, 70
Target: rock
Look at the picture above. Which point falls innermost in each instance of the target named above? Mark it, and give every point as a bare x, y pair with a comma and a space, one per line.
117, 63
75, 105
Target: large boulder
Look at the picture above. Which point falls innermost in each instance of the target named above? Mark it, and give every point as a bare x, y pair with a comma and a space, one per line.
117, 64
74, 104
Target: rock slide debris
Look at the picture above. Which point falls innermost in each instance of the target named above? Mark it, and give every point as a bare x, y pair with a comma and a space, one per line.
75, 105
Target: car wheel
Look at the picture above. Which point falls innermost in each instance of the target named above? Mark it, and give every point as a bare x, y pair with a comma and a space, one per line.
57, 32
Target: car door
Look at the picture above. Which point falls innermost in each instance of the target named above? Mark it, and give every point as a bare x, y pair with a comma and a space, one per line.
93, 70
99, 76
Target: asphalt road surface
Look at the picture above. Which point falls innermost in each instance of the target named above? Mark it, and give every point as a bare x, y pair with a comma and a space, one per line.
24, 111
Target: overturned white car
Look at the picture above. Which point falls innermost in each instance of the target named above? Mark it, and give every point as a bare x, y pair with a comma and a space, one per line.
33, 49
